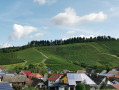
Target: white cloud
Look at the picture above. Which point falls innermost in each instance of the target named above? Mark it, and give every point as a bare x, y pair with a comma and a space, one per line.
87, 36
69, 17
5, 45
36, 35
42, 2
21, 31
71, 32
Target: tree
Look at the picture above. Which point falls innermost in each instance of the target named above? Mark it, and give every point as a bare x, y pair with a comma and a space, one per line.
103, 85
18, 69
87, 87
80, 86
66, 88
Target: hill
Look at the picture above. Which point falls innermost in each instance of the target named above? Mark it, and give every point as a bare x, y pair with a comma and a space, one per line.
93, 54
71, 56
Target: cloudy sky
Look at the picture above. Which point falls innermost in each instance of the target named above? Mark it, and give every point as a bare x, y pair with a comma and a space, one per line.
22, 21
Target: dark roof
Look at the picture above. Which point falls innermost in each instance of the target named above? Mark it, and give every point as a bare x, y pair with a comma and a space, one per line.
96, 78
12, 72
109, 87
90, 70
36, 81
5, 86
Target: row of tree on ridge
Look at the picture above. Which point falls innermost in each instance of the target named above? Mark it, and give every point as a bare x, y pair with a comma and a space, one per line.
58, 42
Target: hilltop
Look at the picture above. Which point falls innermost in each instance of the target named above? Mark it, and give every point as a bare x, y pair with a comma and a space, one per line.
72, 56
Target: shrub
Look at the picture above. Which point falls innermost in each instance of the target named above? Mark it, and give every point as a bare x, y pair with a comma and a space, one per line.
80, 86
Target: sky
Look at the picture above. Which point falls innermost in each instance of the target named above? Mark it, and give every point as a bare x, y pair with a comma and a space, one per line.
22, 21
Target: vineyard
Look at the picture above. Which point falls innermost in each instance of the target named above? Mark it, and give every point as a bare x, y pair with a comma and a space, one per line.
65, 56
95, 53
9, 58
30, 55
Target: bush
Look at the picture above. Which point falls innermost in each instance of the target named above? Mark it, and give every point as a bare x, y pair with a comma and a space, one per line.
80, 86
87, 87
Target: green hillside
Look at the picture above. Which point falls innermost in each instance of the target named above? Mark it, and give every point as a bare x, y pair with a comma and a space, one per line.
94, 53
65, 56
9, 58
30, 55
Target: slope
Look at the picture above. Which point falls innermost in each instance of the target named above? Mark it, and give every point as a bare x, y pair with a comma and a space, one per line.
94, 53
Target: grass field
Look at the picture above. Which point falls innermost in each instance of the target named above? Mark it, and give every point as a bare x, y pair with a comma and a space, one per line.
64, 56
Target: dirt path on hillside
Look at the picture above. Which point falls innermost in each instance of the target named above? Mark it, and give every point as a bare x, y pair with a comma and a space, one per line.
111, 55
46, 57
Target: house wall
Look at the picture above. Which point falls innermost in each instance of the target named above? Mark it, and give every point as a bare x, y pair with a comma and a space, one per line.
40, 85
64, 80
61, 88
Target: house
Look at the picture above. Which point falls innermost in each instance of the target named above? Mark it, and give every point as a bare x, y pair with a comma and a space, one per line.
29, 82
70, 80
64, 79
15, 81
54, 78
117, 68
113, 79
98, 79
49, 70
54, 81
2, 68
38, 83
81, 71
113, 86
25, 72
5, 86
46, 76
75, 78
90, 71
104, 72
35, 75
113, 72
65, 71
3, 71
12, 72
4, 74
116, 86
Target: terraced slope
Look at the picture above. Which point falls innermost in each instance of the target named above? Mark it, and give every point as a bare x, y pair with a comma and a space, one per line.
9, 58
64, 56
95, 53
30, 55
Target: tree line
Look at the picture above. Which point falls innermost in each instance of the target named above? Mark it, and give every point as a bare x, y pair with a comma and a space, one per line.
70, 41
57, 42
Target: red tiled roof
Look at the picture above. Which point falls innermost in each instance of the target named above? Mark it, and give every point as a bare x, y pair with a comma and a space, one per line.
26, 72
3, 68
35, 75
54, 77
116, 86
